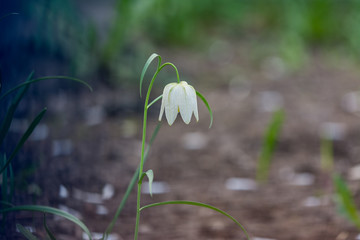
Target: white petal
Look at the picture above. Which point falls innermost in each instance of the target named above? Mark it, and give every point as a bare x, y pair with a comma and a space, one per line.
193, 99
162, 109
186, 104
171, 106
164, 97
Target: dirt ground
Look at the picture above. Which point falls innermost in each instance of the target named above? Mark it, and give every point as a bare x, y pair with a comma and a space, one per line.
103, 129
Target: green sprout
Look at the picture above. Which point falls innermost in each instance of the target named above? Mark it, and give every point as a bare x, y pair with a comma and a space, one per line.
269, 144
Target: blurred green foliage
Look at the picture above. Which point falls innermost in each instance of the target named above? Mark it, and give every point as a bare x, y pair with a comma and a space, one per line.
289, 29
345, 201
270, 140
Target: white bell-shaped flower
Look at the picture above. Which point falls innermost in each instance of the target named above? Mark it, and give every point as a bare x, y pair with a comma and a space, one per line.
179, 97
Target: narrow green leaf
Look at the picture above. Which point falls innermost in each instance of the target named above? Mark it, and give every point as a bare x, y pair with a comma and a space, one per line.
12, 182
207, 105
131, 185
55, 211
150, 175
327, 155
154, 101
25, 232
23, 139
49, 233
7, 204
5, 125
4, 185
345, 200
269, 144
148, 62
27, 83
199, 205
6, 15
0, 79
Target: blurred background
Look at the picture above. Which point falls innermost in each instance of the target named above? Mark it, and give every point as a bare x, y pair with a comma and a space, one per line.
249, 58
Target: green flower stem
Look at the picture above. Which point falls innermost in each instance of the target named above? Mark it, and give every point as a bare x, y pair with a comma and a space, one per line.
130, 186
146, 107
172, 65
143, 150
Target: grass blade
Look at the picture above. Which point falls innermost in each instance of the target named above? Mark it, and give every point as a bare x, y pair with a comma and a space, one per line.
0, 80
131, 185
208, 107
5, 125
199, 205
4, 184
27, 83
12, 182
146, 66
55, 211
4, 190
269, 144
7, 204
23, 139
49, 233
150, 175
346, 201
25, 232
6, 15
327, 155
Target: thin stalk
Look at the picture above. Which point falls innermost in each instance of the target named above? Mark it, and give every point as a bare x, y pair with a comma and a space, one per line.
172, 65
143, 151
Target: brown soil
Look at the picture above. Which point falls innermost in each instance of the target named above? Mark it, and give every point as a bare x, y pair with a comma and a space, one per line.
109, 153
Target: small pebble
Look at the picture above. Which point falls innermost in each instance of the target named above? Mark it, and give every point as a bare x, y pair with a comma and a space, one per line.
88, 197
68, 210
302, 179
63, 192
143, 228
194, 141
94, 115
333, 130
351, 102
240, 184
41, 132
157, 188
62, 147
357, 237
101, 210
343, 236
108, 191
97, 236
261, 238
19, 125
269, 101
354, 172
312, 202
129, 128
29, 228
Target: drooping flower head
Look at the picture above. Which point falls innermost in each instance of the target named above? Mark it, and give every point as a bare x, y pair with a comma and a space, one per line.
179, 97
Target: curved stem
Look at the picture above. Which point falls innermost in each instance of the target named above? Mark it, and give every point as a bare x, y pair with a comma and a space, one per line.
199, 204
172, 65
